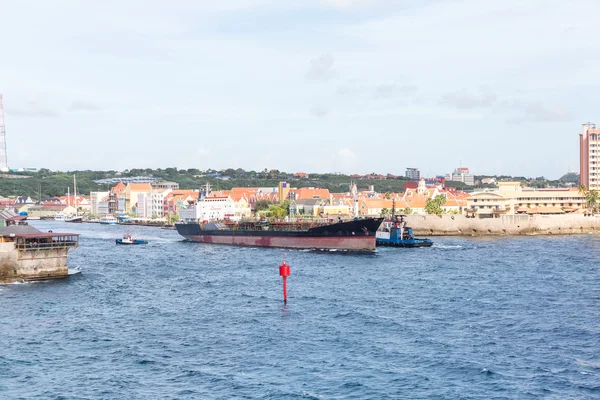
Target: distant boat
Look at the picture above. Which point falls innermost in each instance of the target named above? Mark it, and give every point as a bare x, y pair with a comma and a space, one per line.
60, 217
75, 218
108, 220
128, 239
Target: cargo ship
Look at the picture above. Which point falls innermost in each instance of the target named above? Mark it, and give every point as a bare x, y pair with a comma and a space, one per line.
210, 220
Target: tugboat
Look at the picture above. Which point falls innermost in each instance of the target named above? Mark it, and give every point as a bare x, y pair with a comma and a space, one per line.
128, 239
397, 234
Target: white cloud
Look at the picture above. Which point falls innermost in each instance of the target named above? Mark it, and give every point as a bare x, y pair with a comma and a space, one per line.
388, 90
33, 108
466, 100
344, 160
83, 105
319, 111
346, 3
239, 69
321, 68
536, 111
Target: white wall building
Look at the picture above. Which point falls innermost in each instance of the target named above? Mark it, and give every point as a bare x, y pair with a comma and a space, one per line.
144, 205
157, 207
98, 207
461, 175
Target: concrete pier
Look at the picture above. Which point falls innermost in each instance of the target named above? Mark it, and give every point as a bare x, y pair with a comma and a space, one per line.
27, 254
460, 225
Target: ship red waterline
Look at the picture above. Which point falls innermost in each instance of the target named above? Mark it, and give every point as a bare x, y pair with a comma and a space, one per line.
355, 235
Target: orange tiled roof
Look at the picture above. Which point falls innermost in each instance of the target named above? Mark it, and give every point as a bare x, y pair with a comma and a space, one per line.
140, 187
308, 193
119, 187
376, 203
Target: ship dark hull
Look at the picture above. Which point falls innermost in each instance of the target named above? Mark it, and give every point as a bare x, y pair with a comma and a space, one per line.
405, 243
358, 235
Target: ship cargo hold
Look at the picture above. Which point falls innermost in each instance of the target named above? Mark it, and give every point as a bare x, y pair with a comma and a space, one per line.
354, 235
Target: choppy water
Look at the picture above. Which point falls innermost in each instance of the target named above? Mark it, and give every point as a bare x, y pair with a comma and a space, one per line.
470, 318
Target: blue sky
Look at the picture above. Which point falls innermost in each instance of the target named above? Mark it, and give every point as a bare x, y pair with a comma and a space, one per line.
348, 86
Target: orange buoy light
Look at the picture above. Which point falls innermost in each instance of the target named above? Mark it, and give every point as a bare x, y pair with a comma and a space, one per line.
284, 271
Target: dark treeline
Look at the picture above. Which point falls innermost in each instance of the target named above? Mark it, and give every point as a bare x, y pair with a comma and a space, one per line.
46, 183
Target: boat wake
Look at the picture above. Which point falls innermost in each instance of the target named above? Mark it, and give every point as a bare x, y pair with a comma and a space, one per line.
448, 246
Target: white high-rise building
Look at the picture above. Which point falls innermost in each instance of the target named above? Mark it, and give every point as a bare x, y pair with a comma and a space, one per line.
463, 175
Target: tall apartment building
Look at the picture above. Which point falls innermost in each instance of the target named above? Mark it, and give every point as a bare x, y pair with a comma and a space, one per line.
589, 156
461, 175
413, 174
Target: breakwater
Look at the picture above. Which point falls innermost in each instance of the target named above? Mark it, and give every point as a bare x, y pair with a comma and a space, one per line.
456, 225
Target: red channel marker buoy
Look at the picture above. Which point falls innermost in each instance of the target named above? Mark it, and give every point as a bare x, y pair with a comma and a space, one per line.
284, 271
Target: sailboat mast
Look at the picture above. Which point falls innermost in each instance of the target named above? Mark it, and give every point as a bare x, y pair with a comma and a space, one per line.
75, 192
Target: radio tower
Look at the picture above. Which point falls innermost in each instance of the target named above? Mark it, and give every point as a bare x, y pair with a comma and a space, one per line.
3, 159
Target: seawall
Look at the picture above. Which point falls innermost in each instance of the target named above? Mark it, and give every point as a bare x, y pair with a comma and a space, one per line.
449, 225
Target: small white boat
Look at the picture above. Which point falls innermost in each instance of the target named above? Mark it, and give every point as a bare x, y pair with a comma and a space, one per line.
109, 220
60, 217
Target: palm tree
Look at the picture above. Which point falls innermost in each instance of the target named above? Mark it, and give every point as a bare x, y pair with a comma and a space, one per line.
591, 198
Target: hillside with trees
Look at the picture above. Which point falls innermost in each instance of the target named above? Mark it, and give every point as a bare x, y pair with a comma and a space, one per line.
46, 183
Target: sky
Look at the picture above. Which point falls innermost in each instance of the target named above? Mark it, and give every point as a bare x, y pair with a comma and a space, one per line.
350, 86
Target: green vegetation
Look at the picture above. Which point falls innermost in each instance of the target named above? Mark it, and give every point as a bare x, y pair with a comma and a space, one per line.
591, 198
434, 206
46, 183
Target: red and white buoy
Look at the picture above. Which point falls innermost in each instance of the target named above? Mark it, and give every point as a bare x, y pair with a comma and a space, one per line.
284, 271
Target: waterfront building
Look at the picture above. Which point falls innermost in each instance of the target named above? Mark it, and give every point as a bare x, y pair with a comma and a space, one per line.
308, 207
116, 192
50, 210
157, 205
589, 156
511, 198
416, 198
143, 206
463, 175
165, 185
132, 191
176, 199
376, 207
308, 193
413, 174
99, 203
327, 208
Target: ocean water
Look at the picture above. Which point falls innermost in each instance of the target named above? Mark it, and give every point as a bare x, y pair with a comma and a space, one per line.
470, 318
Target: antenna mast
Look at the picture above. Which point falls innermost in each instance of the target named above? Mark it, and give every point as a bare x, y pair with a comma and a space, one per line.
3, 158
